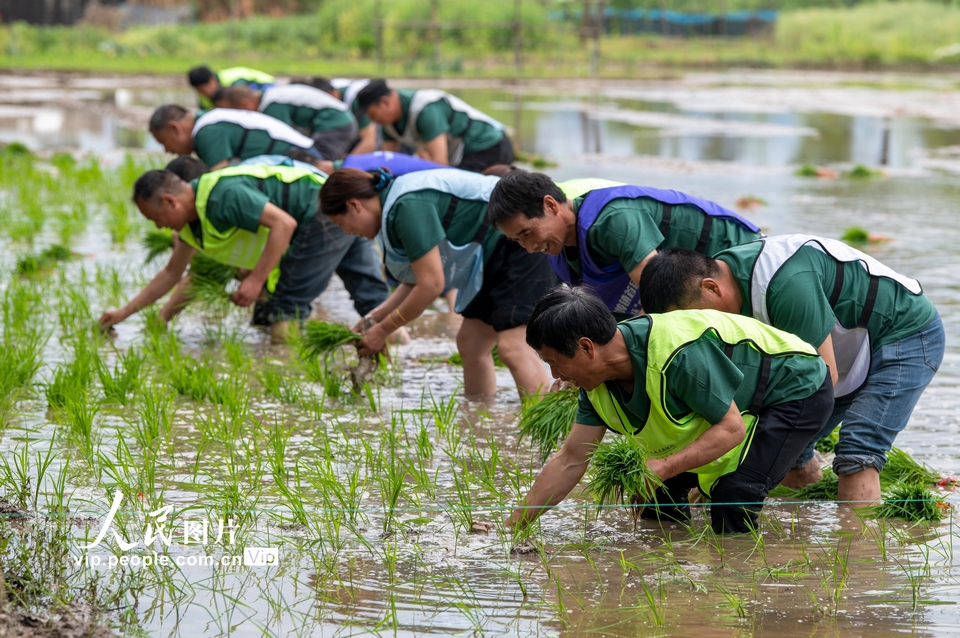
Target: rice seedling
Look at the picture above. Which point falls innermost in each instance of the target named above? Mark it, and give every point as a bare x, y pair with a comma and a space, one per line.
827, 443
45, 260
119, 383
320, 338
855, 235
208, 281
547, 419
69, 383
862, 172
913, 503
156, 241
619, 474
901, 468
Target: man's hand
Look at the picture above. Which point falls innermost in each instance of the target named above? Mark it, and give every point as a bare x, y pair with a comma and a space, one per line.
250, 288
111, 317
374, 340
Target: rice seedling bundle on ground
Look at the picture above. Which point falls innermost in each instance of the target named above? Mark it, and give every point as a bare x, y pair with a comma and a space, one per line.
156, 242
620, 475
45, 260
548, 419
913, 503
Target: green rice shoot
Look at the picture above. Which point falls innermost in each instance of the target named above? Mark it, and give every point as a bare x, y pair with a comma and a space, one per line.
156, 242
619, 474
855, 235
209, 279
547, 419
320, 338
47, 259
829, 442
913, 503
902, 469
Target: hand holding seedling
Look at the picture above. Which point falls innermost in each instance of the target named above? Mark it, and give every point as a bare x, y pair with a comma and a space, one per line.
374, 340
249, 290
109, 318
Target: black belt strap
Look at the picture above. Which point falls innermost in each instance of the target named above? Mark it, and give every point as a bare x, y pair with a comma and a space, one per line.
451, 209
837, 284
270, 146
728, 350
757, 402
665, 220
243, 142
284, 197
704, 233
870, 302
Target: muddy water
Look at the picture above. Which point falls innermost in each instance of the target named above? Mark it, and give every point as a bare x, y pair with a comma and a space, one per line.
818, 571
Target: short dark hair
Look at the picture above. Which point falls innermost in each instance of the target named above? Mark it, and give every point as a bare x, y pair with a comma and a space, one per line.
200, 75
672, 279
344, 184
371, 94
564, 315
316, 82
165, 114
155, 183
187, 168
232, 96
521, 193
500, 170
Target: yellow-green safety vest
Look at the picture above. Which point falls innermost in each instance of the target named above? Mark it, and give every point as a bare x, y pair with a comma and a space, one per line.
574, 188
232, 75
236, 246
664, 434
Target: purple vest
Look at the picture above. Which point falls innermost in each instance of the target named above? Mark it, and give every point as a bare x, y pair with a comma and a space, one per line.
397, 163
612, 283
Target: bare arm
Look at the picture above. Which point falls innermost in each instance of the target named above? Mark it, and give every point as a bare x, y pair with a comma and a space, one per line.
826, 352
179, 300
391, 145
723, 436
560, 475
638, 269
435, 150
428, 271
368, 140
281, 226
162, 283
219, 165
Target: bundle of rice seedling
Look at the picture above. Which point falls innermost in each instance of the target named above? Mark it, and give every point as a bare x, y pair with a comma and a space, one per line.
547, 419
827, 443
619, 474
901, 469
823, 490
156, 242
45, 260
209, 279
914, 503
322, 337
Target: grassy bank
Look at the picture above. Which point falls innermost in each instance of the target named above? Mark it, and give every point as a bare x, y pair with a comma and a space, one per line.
340, 40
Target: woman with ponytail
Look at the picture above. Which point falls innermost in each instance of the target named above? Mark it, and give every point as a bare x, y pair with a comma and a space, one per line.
432, 227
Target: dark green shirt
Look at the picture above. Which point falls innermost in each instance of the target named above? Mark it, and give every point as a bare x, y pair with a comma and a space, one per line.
220, 141
703, 380
627, 230
309, 120
236, 202
414, 224
438, 118
798, 298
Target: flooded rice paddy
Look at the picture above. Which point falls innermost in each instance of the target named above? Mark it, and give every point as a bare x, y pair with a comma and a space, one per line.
369, 494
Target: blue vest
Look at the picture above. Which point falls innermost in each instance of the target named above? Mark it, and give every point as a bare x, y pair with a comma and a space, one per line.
612, 283
397, 163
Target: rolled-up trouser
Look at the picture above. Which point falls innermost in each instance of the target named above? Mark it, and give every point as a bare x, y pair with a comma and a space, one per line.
874, 415
334, 143
319, 249
781, 434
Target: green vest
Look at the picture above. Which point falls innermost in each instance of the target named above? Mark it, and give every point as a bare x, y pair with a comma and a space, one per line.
235, 246
574, 188
232, 75
664, 434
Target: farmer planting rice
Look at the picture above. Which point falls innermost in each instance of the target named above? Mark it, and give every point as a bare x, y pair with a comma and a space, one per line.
604, 238
262, 219
433, 230
368, 135
443, 128
721, 403
881, 337
227, 136
315, 113
206, 83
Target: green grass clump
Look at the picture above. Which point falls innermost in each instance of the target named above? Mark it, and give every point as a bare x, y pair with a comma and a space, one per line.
619, 474
322, 337
807, 170
902, 469
827, 443
548, 419
862, 172
855, 235
156, 242
45, 260
913, 503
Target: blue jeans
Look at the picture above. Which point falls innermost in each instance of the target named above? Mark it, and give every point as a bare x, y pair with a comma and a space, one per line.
874, 415
319, 249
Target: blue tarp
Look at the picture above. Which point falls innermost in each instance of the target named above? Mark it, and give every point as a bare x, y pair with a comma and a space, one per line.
665, 22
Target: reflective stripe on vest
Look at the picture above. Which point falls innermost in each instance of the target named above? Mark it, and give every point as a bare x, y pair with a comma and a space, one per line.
235, 246
349, 94
664, 434
851, 346
230, 76
574, 188
253, 120
612, 283
423, 98
462, 265
301, 95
